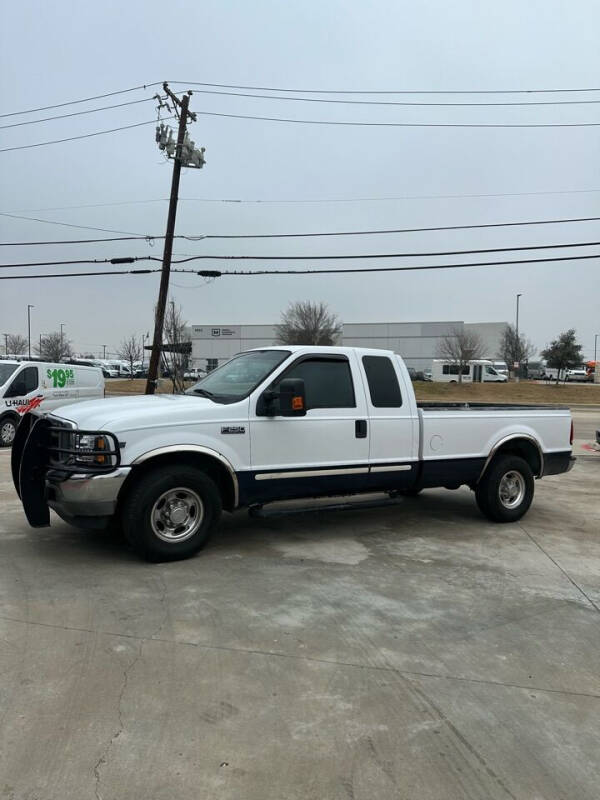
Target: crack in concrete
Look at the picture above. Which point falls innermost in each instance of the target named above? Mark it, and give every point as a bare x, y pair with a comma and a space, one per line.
311, 659
562, 569
105, 753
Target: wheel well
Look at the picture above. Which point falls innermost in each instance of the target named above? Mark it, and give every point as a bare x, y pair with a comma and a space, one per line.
524, 448
9, 415
211, 466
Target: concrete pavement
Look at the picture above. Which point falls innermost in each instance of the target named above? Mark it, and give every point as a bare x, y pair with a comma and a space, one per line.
414, 651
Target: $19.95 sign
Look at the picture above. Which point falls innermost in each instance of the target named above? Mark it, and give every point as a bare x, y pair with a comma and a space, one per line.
61, 377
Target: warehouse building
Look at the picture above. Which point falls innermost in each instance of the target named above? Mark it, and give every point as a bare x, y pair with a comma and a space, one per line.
416, 342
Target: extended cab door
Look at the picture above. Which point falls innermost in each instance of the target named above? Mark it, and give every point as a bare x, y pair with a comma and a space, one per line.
326, 450
394, 442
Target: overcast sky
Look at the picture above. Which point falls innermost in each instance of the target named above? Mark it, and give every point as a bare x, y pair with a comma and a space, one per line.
51, 53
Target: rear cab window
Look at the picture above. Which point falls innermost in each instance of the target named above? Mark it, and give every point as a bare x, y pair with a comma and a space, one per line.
382, 380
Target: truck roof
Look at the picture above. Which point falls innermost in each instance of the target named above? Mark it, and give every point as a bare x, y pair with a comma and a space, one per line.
312, 348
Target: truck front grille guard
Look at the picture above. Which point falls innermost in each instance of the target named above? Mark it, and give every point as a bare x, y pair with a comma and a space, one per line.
59, 441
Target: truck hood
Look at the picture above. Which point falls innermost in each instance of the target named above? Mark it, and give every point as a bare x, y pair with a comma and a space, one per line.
127, 413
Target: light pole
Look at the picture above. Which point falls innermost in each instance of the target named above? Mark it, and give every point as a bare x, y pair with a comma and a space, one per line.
595, 348
29, 307
6, 335
518, 342
62, 325
104, 356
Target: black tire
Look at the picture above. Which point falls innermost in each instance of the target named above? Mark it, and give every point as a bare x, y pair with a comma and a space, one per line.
8, 429
146, 514
505, 492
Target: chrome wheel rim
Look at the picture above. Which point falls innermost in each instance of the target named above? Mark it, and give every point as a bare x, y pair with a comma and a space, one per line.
7, 432
512, 489
177, 515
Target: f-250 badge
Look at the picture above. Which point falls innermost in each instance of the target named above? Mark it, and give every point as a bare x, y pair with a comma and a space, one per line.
233, 429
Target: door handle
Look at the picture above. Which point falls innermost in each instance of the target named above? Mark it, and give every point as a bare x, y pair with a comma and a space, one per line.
360, 428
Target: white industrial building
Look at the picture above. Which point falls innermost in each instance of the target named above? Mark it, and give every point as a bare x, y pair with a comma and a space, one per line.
416, 342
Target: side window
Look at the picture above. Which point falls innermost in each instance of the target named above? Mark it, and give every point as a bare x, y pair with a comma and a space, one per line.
26, 381
446, 369
328, 382
30, 376
383, 383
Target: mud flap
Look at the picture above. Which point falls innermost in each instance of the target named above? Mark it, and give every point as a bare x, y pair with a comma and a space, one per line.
31, 469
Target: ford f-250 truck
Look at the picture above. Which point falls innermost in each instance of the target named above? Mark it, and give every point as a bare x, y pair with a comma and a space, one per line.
272, 424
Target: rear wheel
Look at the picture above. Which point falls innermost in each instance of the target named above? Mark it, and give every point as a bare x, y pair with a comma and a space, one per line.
8, 429
505, 492
170, 513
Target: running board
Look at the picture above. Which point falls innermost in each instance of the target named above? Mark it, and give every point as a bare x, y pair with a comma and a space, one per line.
262, 513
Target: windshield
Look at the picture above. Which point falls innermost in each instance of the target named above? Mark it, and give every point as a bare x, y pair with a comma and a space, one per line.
238, 377
6, 370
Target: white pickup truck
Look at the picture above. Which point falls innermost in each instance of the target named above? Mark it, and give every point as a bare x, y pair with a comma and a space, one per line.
272, 424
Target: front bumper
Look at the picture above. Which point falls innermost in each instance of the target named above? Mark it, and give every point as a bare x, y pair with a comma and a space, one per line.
85, 495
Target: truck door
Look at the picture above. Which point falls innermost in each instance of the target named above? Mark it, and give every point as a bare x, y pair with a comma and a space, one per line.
327, 450
477, 373
393, 453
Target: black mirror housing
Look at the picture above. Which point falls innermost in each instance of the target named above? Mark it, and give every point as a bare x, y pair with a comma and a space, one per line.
292, 397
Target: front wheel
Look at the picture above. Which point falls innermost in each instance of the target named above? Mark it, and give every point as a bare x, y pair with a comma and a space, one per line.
505, 492
170, 513
8, 429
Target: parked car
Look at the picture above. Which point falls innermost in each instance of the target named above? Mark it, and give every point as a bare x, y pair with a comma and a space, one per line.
427, 375
25, 385
579, 375
274, 424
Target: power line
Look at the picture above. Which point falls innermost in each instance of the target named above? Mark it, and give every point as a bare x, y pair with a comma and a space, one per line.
386, 91
81, 241
355, 256
81, 136
67, 224
81, 274
403, 124
82, 100
123, 260
569, 90
202, 237
395, 102
78, 113
308, 200
336, 257
343, 271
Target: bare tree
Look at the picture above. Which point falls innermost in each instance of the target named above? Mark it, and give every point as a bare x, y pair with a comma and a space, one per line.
54, 347
514, 349
130, 350
308, 323
459, 347
16, 344
177, 350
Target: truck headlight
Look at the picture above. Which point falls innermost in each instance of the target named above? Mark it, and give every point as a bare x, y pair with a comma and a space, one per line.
89, 445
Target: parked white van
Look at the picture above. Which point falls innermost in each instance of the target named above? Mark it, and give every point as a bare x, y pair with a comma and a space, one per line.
476, 371
25, 385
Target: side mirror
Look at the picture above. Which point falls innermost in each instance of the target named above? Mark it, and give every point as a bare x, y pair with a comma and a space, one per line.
292, 397
287, 399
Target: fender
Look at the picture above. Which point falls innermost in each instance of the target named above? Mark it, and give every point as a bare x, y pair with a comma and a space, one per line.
510, 438
194, 448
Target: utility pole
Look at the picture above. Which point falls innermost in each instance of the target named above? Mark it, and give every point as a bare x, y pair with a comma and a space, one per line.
163, 292
104, 354
6, 335
29, 307
518, 352
62, 325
